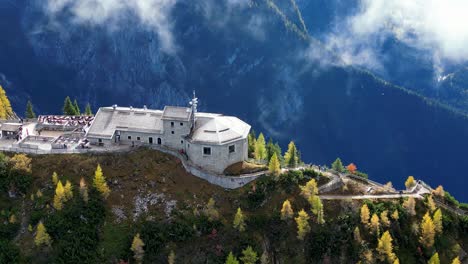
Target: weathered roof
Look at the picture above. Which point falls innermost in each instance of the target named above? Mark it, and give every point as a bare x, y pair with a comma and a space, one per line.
11, 127
177, 113
108, 120
218, 129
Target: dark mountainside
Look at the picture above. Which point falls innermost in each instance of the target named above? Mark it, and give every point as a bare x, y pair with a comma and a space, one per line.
271, 78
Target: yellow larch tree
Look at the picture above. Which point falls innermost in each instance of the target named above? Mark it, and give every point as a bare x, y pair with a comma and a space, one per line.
410, 206
385, 248
274, 166
68, 190
456, 261
427, 232
137, 248
84, 190
239, 221
286, 211
171, 257
437, 219
434, 259
410, 182
99, 182
55, 178
21, 162
357, 235
395, 215
365, 214
439, 191
210, 210
42, 237
303, 227
310, 189
6, 111
384, 220
375, 224
59, 197
431, 204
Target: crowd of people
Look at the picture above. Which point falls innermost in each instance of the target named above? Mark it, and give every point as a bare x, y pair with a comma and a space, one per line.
60, 120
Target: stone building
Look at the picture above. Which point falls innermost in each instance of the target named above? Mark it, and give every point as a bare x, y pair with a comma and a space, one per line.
210, 141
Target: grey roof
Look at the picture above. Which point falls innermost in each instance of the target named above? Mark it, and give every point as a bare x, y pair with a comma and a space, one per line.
218, 129
108, 120
177, 113
11, 127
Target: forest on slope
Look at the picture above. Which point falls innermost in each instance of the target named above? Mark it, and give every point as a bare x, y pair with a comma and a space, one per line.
143, 206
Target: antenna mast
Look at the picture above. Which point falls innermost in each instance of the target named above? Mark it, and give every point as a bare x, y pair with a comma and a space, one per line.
194, 105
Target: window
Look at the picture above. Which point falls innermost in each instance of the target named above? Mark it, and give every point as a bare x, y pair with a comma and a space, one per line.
232, 149
181, 142
138, 138
129, 137
206, 151
100, 140
172, 132
181, 124
172, 124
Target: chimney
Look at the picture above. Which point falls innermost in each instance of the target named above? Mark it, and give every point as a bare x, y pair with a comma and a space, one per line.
114, 107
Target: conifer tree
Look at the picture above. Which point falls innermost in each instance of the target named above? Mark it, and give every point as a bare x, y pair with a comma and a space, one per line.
239, 221
77, 108
171, 257
30, 111
384, 218
395, 215
439, 191
84, 190
273, 148
5, 107
42, 237
260, 148
357, 235
137, 248
437, 219
210, 210
431, 204
68, 108
249, 256
88, 110
385, 248
252, 141
456, 261
59, 197
274, 166
21, 162
409, 206
55, 178
375, 224
99, 182
434, 259
291, 157
286, 211
68, 190
365, 214
231, 259
410, 182
427, 232
310, 189
337, 165
39, 194
316, 204
303, 227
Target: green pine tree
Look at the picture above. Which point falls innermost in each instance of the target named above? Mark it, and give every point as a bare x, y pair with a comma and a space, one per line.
88, 110
68, 108
30, 110
337, 165
77, 108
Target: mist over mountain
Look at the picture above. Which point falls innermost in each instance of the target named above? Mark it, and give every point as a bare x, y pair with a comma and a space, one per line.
288, 68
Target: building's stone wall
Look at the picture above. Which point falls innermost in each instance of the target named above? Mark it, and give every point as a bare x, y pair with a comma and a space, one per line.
129, 138
220, 157
176, 140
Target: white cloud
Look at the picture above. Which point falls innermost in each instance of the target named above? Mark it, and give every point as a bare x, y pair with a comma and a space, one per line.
437, 26
152, 13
